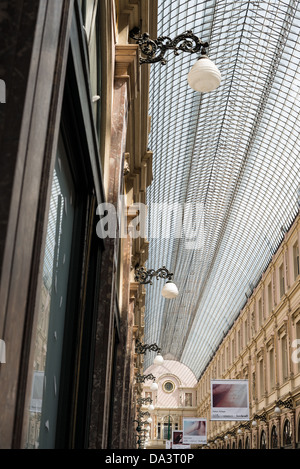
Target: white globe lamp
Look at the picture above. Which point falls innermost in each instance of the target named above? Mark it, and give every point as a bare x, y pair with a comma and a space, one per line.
169, 290
204, 76
158, 360
154, 387
151, 407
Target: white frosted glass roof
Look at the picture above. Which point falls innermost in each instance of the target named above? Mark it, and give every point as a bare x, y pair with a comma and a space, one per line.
229, 163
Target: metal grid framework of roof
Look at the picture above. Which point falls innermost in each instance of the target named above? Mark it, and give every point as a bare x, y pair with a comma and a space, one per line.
226, 163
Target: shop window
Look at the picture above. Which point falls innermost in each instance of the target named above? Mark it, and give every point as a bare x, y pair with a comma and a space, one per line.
263, 440
298, 440
274, 437
53, 301
298, 338
287, 433
90, 15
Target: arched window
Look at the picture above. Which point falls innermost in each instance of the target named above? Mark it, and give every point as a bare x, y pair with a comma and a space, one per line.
274, 437
263, 441
233, 445
240, 444
298, 440
247, 443
287, 433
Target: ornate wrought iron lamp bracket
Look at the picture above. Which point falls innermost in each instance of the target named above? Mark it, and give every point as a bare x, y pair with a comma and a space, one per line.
143, 378
155, 49
142, 348
288, 403
144, 276
143, 400
144, 414
262, 417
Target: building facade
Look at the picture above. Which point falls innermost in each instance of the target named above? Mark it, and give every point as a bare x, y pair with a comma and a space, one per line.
174, 399
262, 347
74, 129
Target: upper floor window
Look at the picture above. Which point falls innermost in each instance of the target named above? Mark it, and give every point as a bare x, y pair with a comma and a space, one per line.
259, 312
281, 281
270, 304
296, 260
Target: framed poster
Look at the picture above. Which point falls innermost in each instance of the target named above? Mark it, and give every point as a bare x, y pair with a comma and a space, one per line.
230, 399
177, 440
194, 430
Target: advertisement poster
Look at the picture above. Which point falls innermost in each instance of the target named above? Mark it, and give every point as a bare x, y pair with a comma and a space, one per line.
177, 440
229, 399
194, 431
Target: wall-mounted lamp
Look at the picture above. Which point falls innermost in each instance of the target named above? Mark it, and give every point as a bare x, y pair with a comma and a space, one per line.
143, 414
144, 400
204, 75
144, 277
244, 425
142, 348
143, 378
288, 404
154, 387
262, 417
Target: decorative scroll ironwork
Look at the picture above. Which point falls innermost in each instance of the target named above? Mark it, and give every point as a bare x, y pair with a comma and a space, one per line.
262, 417
247, 425
143, 400
143, 378
142, 348
288, 403
144, 414
139, 428
155, 49
144, 276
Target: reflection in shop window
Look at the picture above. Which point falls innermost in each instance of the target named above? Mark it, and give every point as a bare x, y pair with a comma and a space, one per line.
53, 297
90, 14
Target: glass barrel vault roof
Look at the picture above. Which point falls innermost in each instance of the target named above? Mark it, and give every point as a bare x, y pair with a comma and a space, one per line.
226, 163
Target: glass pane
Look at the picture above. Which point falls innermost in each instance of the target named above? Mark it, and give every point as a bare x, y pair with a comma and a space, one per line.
51, 317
